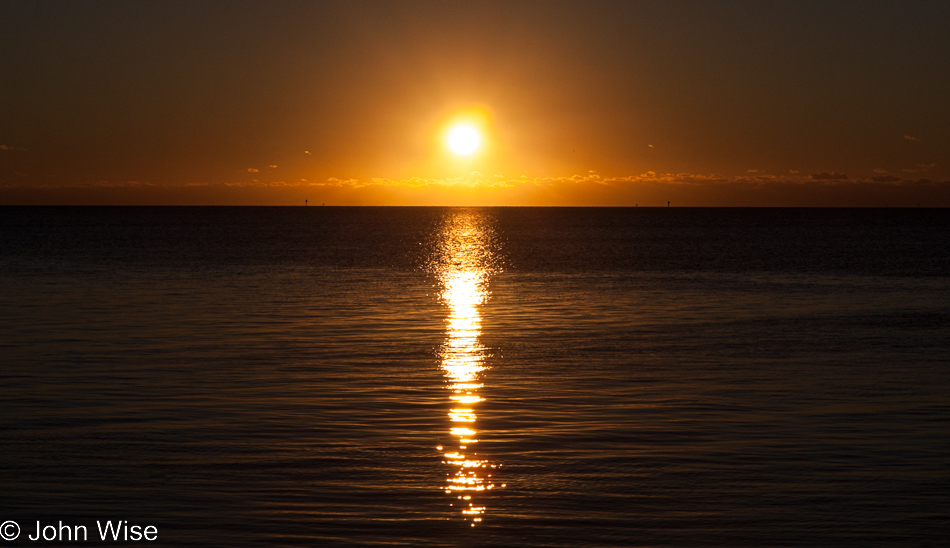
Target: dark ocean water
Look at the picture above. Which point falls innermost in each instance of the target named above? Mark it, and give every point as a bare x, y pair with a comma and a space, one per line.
633, 377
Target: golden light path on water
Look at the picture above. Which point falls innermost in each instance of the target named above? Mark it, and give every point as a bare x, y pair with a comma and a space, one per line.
463, 270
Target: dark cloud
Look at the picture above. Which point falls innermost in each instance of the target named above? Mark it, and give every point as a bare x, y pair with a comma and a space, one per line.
920, 168
829, 176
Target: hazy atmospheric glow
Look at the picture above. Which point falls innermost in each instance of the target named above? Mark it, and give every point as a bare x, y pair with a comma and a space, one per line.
567, 103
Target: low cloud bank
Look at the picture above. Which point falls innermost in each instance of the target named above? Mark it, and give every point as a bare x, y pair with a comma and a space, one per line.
753, 189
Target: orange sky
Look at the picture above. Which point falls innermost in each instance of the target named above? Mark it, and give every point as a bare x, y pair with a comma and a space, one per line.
594, 103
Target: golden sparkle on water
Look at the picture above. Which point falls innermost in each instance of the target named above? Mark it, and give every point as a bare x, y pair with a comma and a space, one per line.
463, 276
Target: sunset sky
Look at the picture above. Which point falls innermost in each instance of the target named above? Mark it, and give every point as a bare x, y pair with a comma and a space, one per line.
701, 103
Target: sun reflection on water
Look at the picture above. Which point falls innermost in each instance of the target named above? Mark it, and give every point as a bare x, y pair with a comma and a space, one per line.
464, 262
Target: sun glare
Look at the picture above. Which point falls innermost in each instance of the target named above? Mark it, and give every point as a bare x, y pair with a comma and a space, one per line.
464, 140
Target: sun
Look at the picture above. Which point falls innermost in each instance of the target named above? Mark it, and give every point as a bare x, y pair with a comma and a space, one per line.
464, 140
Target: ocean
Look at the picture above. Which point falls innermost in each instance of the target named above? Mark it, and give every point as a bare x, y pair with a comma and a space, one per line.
363, 376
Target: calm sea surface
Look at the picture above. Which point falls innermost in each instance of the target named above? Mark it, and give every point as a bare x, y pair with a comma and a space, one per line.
478, 377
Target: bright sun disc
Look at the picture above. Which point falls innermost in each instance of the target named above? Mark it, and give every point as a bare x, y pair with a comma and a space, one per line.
463, 140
